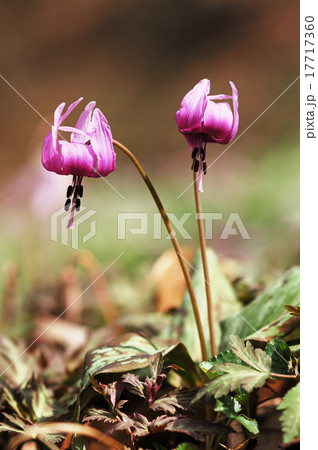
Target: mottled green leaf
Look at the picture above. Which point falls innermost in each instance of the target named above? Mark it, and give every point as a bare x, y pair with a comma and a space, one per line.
290, 418
266, 307
254, 357
280, 353
227, 356
235, 375
231, 408
280, 327
133, 352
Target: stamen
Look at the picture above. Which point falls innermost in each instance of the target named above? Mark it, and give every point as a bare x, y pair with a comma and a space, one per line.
196, 165
204, 168
202, 153
78, 204
80, 191
194, 152
67, 204
69, 191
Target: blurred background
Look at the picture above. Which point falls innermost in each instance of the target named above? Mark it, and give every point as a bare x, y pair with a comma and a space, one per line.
138, 59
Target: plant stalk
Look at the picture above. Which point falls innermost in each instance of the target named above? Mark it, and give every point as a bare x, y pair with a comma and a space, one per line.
205, 264
175, 244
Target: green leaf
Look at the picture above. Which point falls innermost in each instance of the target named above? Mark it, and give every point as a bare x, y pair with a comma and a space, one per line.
266, 307
290, 418
185, 446
256, 358
280, 353
235, 375
282, 326
231, 408
224, 303
227, 356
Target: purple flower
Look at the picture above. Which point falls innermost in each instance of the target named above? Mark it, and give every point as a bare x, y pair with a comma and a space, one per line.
202, 120
89, 152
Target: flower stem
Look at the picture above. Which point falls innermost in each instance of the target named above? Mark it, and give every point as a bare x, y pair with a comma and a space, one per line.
205, 264
175, 244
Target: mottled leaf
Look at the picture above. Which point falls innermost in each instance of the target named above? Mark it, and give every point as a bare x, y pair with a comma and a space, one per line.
290, 418
266, 307
235, 375
254, 357
280, 353
280, 327
223, 357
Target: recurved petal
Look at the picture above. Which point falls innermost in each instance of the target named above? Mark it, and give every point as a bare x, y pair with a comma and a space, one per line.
102, 144
190, 115
69, 110
83, 123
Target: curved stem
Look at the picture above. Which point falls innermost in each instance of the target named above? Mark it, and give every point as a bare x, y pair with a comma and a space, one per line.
175, 244
204, 263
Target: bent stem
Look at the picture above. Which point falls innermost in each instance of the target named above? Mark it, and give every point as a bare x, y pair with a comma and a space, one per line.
175, 244
205, 264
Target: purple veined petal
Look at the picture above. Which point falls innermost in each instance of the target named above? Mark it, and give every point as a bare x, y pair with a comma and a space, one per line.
102, 144
83, 122
51, 156
190, 115
218, 121
227, 139
77, 159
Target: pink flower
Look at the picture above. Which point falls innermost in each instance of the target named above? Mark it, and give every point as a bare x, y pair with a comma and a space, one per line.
202, 120
89, 152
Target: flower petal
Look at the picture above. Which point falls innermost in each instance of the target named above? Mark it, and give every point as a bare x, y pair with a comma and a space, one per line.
51, 156
77, 159
227, 139
83, 122
218, 120
190, 115
102, 144
69, 110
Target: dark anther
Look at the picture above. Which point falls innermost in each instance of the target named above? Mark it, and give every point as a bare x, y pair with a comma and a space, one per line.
80, 191
204, 168
67, 204
196, 165
195, 152
202, 153
78, 204
76, 191
69, 191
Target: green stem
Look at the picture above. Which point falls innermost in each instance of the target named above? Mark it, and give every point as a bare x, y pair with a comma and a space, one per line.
175, 244
204, 263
